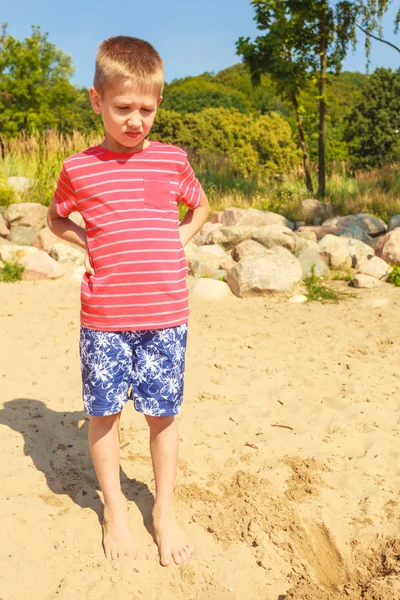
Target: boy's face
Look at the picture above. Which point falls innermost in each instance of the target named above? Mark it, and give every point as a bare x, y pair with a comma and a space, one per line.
128, 114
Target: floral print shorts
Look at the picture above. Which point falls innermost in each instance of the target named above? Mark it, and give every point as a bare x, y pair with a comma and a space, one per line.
146, 366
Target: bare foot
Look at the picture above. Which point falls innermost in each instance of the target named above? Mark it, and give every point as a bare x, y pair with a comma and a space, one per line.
117, 538
171, 541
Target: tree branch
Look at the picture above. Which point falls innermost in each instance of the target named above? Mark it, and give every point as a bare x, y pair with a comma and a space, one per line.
377, 38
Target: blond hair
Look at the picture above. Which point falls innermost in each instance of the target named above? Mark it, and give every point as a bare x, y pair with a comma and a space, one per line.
124, 57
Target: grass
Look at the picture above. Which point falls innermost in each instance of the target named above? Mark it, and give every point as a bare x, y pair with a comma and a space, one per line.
394, 276
317, 291
376, 192
11, 271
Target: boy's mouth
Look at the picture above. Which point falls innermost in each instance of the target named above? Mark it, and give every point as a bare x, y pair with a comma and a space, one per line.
133, 134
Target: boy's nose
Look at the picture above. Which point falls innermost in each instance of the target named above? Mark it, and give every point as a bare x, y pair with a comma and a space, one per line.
134, 120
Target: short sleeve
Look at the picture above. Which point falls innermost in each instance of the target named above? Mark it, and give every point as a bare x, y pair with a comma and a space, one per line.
64, 196
190, 187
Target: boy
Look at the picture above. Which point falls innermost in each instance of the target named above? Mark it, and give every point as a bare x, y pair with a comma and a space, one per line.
134, 299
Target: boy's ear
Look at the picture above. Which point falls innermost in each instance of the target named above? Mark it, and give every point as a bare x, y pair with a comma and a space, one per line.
159, 100
95, 100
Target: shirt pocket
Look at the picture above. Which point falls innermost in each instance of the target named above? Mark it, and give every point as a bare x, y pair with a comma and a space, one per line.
157, 194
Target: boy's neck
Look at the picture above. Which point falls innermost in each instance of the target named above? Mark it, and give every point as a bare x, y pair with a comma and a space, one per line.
113, 146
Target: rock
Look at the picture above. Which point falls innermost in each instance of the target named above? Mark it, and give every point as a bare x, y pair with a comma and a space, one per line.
45, 240
394, 222
4, 242
247, 249
388, 248
67, 255
299, 299
28, 214
309, 257
213, 250
374, 267
78, 273
190, 250
207, 264
12, 252
41, 266
357, 250
201, 236
277, 271
23, 236
275, 235
364, 281
320, 231
335, 253
231, 236
210, 289
226, 264
314, 212
4, 231
361, 227
216, 217
77, 218
20, 184
252, 216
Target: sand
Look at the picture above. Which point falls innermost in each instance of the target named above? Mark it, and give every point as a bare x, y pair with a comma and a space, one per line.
289, 474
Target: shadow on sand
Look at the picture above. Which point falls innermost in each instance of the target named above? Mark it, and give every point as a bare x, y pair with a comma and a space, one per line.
59, 449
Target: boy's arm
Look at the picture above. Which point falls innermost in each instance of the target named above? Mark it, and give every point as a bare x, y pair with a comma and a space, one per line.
69, 231
194, 220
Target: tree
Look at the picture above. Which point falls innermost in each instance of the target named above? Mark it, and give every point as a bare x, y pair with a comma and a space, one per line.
373, 127
35, 89
307, 40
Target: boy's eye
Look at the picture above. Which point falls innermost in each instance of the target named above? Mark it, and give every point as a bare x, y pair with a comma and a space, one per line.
147, 110
123, 107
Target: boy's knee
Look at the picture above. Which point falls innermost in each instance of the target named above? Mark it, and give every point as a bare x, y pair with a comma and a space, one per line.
159, 423
105, 421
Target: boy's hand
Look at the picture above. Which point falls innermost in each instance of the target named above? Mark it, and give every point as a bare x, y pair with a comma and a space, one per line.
88, 264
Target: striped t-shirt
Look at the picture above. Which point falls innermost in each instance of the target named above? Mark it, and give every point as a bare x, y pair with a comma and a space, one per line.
130, 206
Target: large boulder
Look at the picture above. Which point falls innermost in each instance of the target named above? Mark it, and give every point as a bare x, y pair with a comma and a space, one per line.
252, 216
22, 236
46, 239
201, 236
207, 261
364, 281
216, 217
40, 265
335, 253
303, 240
394, 222
210, 289
213, 250
277, 271
190, 250
319, 230
10, 252
27, 214
314, 212
357, 250
247, 249
309, 258
275, 235
374, 267
388, 248
362, 227
231, 236
68, 255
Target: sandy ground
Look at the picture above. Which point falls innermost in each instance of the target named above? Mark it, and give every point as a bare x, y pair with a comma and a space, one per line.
289, 474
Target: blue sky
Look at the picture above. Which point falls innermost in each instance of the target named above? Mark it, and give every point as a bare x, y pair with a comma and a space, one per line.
192, 36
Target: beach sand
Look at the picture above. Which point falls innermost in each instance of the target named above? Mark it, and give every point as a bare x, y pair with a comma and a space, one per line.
289, 473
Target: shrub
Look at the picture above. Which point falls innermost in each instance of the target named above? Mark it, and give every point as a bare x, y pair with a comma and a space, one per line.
11, 271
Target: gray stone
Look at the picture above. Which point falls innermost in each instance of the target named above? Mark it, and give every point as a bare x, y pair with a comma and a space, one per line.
231, 236
216, 217
214, 250
374, 267
394, 222
277, 271
201, 236
335, 253
252, 216
275, 235
203, 269
362, 227
210, 289
357, 250
247, 249
310, 257
23, 236
28, 214
298, 299
388, 248
314, 212
190, 250
67, 255
320, 231
364, 281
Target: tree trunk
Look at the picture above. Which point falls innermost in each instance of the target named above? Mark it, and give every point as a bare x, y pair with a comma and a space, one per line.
303, 144
322, 103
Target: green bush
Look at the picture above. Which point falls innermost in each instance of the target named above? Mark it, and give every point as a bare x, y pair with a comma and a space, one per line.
7, 193
11, 271
394, 276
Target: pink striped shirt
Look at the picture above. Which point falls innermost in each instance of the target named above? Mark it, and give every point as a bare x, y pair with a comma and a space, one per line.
130, 206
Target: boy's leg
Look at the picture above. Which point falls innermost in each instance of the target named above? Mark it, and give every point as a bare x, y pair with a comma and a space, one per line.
164, 442
104, 447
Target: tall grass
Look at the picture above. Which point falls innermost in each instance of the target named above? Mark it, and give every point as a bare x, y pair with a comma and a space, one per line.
376, 192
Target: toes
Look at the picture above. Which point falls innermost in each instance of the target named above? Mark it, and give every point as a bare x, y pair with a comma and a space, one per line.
184, 554
177, 558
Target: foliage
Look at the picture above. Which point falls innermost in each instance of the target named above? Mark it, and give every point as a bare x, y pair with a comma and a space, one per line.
11, 271
317, 291
394, 276
7, 193
373, 127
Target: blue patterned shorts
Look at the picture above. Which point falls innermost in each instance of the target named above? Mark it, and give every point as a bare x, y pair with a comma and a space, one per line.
151, 361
